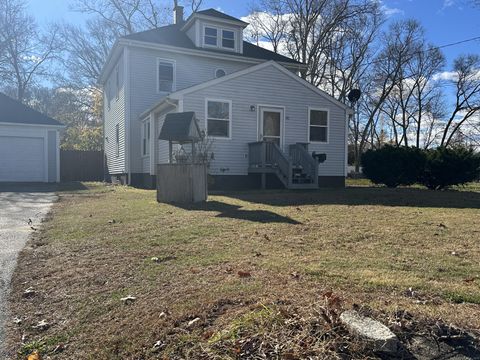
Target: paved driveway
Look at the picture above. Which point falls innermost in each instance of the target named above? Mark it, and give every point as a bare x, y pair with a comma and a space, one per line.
18, 204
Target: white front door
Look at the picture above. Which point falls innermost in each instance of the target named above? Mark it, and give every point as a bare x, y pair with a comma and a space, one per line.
271, 125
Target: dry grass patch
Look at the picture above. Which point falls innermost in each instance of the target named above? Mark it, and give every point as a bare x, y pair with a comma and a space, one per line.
243, 263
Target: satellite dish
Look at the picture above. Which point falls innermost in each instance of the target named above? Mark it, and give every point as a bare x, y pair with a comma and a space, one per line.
354, 95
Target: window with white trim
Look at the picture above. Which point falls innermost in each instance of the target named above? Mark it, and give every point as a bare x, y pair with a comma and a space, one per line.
146, 138
228, 39
210, 37
165, 75
219, 117
117, 140
318, 125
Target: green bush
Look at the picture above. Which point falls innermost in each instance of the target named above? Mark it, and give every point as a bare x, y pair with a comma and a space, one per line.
450, 166
393, 166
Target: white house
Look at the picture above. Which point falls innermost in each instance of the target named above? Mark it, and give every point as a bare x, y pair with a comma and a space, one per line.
261, 116
29, 144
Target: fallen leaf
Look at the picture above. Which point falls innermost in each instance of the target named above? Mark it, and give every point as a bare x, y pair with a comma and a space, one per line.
34, 356
193, 322
244, 274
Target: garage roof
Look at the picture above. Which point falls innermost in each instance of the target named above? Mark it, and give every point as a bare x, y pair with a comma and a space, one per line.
14, 112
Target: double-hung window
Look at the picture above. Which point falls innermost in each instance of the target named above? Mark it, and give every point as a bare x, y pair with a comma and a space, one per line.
219, 118
166, 76
146, 138
228, 39
211, 35
318, 125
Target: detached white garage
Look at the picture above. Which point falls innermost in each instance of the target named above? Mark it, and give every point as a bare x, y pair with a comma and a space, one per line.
29, 144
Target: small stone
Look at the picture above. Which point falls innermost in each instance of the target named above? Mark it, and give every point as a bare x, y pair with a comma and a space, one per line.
28, 293
155, 259
42, 325
17, 320
162, 315
129, 299
383, 339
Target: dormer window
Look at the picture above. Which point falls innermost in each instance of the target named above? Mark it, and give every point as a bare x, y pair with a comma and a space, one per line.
219, 37
228, 39
211, 36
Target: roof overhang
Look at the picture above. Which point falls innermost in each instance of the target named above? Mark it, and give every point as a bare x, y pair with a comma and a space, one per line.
162, 105
196, 16
203, 53
109, 64
61, 126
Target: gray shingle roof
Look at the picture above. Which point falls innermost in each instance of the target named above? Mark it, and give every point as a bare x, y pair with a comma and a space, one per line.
13, 111
171, 35
218, 14
181, 127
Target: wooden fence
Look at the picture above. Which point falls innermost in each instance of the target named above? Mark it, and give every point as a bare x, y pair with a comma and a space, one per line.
81, 165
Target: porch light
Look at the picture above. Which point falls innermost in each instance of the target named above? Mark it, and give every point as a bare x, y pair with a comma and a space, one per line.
252, 107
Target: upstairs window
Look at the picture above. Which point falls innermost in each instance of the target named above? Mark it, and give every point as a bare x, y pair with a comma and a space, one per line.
166, 76
210, 36
318, 125
219, 117
228, 39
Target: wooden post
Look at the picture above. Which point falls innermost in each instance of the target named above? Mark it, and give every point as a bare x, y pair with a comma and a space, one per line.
264, 180
170, 150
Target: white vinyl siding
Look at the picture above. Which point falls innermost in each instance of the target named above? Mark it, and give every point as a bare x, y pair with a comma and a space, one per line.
114, 120
269, 86
191, 70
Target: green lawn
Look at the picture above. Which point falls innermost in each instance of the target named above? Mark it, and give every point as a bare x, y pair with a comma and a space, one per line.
239, 263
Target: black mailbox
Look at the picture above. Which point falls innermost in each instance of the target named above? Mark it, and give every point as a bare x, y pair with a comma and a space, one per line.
319, 157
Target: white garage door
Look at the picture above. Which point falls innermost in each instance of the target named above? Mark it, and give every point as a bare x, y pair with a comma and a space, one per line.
22, 159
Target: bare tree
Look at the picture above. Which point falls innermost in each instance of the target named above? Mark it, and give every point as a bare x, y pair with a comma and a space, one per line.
27, 51
194, 5
399, 45
127, 16
268, 22
466, 79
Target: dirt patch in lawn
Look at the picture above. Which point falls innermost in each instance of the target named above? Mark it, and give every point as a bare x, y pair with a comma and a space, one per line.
246, 274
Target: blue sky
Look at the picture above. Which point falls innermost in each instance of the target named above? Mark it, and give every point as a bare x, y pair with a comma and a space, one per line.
446, 21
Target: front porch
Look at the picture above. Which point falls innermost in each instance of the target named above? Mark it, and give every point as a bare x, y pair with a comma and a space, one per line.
296, 170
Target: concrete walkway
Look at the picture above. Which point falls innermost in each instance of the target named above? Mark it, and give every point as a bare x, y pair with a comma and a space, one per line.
18, 204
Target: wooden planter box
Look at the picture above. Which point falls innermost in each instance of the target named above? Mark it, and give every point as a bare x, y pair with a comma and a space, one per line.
182, 183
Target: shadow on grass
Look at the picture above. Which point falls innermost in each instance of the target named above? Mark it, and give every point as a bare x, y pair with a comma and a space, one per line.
42, 187
355, 196
236, 212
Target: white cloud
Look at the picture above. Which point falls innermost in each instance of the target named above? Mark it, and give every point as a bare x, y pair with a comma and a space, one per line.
448, 3
446, 75
391, 11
